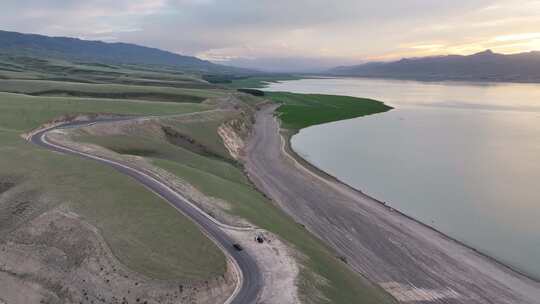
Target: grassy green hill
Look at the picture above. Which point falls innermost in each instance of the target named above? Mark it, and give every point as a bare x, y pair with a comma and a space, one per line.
128, 216
143, 232
299, 111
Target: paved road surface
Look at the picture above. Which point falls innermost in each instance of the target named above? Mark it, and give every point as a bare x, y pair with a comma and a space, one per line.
414, 263
251, 286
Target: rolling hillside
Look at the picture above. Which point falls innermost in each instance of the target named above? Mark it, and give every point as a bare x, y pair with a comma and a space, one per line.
97, 51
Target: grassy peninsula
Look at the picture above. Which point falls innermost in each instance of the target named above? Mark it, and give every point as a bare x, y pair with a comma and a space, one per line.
298, 111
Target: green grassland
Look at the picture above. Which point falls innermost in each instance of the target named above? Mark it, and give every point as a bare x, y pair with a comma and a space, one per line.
118, 91
203, 129
156, 149
143, 231
221, 179
21, 112
299, 111
24, 67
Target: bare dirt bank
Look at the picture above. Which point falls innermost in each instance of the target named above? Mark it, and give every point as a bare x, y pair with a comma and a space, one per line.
411, 261
60, 258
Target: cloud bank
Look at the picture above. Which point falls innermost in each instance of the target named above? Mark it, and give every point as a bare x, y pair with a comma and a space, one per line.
281, 34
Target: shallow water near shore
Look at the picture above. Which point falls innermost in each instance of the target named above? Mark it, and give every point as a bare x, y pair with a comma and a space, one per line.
461, 157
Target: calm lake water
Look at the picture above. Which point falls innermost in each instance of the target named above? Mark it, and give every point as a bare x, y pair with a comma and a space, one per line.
461, 157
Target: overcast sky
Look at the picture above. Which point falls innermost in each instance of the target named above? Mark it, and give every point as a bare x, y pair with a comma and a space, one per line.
289, 34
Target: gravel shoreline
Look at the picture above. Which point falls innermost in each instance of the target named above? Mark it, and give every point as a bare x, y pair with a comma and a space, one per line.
412, 261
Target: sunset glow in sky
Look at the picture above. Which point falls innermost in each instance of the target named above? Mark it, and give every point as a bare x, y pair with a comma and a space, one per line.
306, 32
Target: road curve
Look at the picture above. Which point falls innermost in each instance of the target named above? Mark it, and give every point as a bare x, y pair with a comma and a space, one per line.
249, 274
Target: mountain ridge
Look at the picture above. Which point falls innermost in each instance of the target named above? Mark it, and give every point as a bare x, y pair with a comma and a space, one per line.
104, 52
482, 66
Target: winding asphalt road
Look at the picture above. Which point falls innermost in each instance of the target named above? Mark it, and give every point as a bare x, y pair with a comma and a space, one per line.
250, 277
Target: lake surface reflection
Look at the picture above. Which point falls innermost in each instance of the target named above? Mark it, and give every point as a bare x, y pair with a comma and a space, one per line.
463, 158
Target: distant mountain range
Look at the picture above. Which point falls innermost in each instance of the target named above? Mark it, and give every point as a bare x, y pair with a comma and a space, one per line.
484, 66
97, 51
